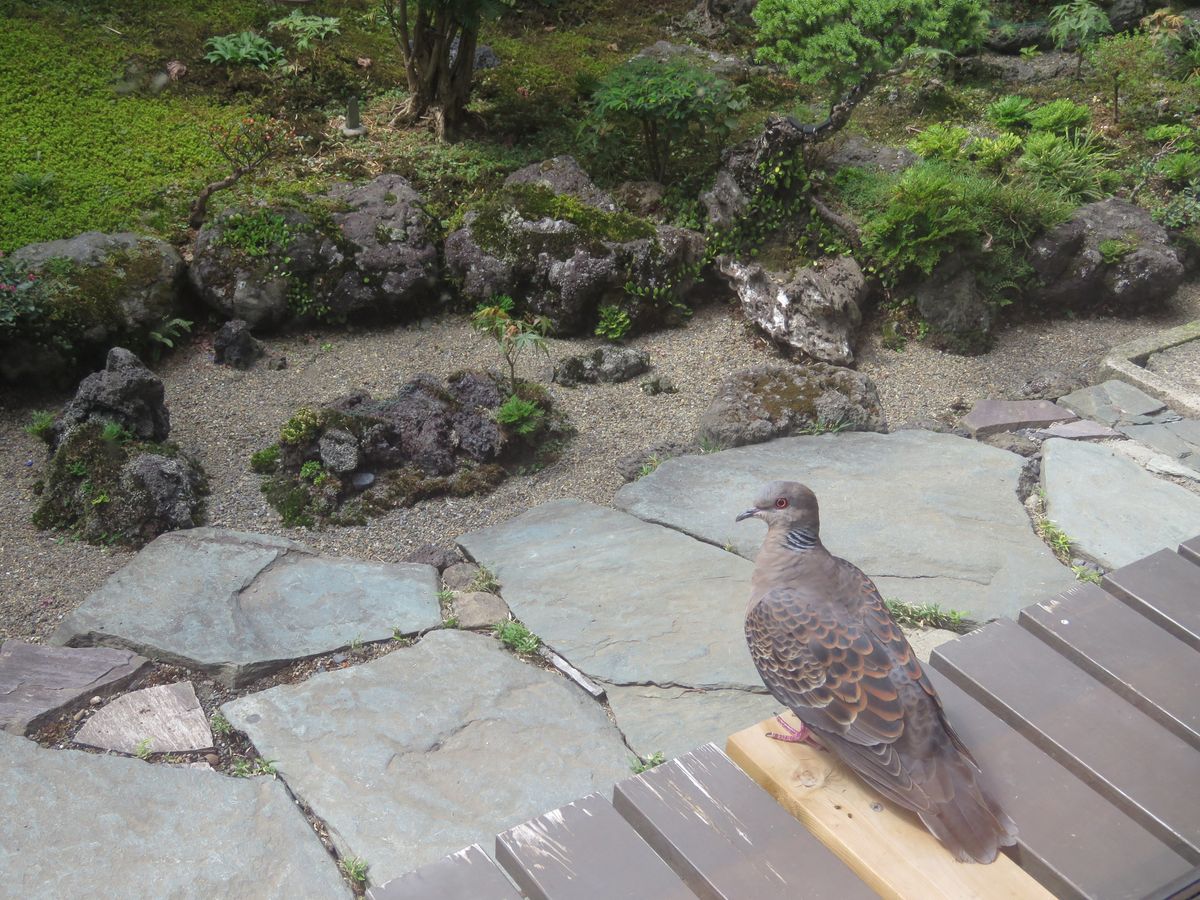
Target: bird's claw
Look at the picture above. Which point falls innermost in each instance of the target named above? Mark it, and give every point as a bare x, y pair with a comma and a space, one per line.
801, 735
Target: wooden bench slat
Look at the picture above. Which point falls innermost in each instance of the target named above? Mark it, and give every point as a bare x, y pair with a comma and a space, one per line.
1071, 839
1190, 550
1165, 588
468, 874
1143, 769
1143, 663
886, 846
585, 851
727, 838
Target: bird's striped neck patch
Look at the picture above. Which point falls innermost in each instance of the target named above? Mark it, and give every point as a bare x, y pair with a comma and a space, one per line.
800, 539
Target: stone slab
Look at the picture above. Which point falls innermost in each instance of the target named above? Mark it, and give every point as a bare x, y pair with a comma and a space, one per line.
1134, 362
479, 609
432, 747
1113, 511
237, 606
1079, 430
38, 683
624, 600
1179, 364
932, 518
989, 417
1114, 403
674, 721
82, 824
166, 718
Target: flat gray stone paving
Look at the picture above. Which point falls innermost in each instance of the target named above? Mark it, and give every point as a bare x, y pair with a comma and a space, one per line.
1113, 511
166, 718
1180, 364
75, 824
1116, 403
623, 600
237, 606
990, 417
932, 518
421, 752
37, 683
675, 720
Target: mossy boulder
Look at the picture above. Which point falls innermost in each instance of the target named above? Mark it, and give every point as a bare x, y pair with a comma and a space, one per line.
769, 401
552, 239
356, 252
64, 303
359, 456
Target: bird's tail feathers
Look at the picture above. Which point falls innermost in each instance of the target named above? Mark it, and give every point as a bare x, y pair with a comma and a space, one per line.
968, 822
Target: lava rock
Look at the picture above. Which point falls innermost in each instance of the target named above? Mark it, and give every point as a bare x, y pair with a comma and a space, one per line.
124, 392
768, 401
605, 364
234, 345
959, 316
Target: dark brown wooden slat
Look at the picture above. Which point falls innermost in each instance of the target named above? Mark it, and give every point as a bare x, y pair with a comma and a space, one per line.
468, 874
1145, 664
1165, 588
1071, 839
1139, 766
1186, 887
726, 837
1190, 550
585, 851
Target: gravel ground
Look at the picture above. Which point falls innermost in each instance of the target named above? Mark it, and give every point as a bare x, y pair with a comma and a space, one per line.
225, 415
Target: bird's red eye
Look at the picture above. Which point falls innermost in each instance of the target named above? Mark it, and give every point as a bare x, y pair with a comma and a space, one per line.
781, 503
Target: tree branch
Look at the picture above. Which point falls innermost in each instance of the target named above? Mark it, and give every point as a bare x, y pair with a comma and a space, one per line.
838, 221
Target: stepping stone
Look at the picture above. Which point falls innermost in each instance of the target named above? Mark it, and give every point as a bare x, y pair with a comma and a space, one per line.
1079, 430
479, 609
932, 518
623, 600
39, 683
1113, 511
122, 828
412, 756
1179, 440
994, 416
162, 719
238, 606
1116, 403
674, 721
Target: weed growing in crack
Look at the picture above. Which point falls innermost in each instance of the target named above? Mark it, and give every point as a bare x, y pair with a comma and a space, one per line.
517, 637
641, 764
355, 868
220, 724
1083, 573
485, 581
243, 767
1055, 538
928, 615
142, 751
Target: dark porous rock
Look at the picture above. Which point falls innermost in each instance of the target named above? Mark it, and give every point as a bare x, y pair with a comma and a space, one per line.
563, 175
730, 67
1050, 384
726, 202
960, 318
434, 555
857, 152
658, 384
638, 465
642, 198
234, 345
771, 400
604, 364
1013, 443
721, 13
1141, 273
125, 392
1126, 14
157, 494
554, 240
813, 310
358, 251
359, 456
108, 289
1011, 37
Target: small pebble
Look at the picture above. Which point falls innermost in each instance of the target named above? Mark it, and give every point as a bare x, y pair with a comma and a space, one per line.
79, 715
95, 701
212, 759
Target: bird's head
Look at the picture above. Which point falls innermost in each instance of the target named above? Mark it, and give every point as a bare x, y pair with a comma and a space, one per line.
786, 504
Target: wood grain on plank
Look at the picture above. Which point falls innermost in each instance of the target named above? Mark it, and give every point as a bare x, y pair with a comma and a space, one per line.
1139, 766
468, 874
1145, 664
886, 846
1071, 839
726, 837
1165, 588
585, 851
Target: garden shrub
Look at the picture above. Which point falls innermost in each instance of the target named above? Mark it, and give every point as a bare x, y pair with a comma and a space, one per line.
1078, 25
1179, 168
1129, 67
1073, 167
941, 141
991, 153
1060, 116
1011, 112
668, 108
243, 49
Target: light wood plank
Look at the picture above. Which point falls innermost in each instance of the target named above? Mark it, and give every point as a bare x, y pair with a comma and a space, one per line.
886, 846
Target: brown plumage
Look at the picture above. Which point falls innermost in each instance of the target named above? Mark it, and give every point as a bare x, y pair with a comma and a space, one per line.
826, 646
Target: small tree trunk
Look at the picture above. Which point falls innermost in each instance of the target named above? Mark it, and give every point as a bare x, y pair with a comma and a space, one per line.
200, 207
1116, 100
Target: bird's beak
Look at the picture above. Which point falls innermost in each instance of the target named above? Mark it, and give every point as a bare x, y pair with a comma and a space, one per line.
748, 514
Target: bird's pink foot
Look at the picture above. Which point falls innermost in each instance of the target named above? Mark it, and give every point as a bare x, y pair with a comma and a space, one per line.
801, 735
